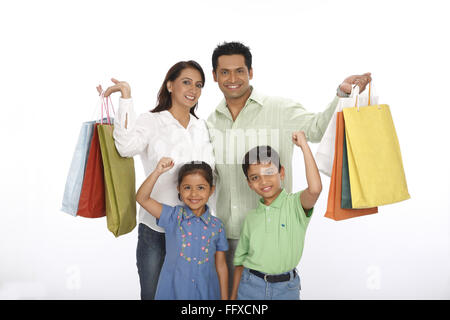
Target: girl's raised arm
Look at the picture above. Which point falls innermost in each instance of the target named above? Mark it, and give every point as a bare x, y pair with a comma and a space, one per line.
143, 195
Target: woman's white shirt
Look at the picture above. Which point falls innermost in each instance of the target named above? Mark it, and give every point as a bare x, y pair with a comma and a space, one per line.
157, 135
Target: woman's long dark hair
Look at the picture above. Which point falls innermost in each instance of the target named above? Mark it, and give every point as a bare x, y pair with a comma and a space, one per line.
164, 101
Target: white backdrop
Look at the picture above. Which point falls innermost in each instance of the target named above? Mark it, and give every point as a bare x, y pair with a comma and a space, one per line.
54, 53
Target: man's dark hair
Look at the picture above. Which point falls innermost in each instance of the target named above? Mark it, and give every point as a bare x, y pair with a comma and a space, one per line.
260, 154
230, 48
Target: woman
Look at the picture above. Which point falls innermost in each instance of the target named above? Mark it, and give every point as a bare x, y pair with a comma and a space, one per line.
172, 130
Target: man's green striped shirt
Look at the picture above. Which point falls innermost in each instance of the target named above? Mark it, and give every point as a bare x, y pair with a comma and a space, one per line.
264, 120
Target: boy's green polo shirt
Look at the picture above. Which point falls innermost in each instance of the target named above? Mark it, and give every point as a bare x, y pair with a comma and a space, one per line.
272, 236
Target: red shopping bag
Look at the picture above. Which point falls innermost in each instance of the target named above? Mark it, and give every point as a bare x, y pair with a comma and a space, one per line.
92, 198
334, 210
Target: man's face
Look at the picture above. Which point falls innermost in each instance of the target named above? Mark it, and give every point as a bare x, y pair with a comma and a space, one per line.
233, 76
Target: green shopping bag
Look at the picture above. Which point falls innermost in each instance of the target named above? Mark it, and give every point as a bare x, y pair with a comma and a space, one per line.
346, 196
375, 163
120, 184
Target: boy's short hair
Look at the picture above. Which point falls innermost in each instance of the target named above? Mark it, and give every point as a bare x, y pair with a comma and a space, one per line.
230, 48
260, 154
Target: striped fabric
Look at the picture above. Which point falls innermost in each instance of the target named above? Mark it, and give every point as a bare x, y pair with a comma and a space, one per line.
263, 121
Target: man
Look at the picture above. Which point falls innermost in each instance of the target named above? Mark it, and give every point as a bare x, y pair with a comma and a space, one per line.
246, 118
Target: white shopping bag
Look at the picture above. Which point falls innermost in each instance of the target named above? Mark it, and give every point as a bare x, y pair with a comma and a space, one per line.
325, 151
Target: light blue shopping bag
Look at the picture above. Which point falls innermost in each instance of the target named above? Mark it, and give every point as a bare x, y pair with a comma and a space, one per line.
74, 180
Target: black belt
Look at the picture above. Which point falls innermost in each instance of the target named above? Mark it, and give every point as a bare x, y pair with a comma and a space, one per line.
273, 278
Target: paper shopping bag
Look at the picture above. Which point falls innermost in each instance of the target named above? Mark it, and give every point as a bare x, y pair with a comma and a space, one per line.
325, 150
346, 196
375, 163
92, 198
334, 209
74, 180
120, 184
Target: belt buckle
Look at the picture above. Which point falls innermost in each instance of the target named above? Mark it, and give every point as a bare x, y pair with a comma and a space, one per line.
265, 277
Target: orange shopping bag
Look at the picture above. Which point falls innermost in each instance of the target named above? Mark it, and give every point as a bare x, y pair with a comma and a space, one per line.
334, 210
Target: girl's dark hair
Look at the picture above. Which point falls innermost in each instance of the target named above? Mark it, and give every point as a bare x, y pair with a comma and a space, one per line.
200, 167
230, 48
260, 154
164, 101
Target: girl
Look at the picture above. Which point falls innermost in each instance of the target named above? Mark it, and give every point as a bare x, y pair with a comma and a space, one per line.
173, 130
195, 266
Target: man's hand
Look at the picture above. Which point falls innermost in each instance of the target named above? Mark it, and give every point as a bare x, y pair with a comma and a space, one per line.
360, 80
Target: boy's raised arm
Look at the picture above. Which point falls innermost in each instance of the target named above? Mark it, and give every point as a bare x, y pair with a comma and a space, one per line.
309, 196
143, 195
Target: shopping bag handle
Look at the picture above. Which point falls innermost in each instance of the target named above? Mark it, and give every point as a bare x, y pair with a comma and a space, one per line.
104, 108
355, 91
108, 100
105, 105
112, 106
96, 109
357, 96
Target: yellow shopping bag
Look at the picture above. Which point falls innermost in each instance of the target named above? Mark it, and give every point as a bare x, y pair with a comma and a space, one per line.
375, 163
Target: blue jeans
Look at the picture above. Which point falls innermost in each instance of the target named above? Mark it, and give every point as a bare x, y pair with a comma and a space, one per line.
150, 253
252, 287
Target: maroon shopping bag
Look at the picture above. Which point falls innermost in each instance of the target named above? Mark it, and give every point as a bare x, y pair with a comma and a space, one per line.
92, 198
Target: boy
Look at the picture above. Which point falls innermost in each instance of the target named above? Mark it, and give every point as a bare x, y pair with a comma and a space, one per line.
272, 237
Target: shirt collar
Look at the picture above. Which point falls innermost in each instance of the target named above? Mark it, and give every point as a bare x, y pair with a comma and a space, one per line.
257, 97
188, 214
167, 118
275, 203
254, 96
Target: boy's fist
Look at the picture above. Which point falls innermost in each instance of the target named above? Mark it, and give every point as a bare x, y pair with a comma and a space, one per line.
299, 138
164, 165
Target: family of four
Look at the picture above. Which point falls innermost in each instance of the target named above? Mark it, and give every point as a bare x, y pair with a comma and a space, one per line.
218, 218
